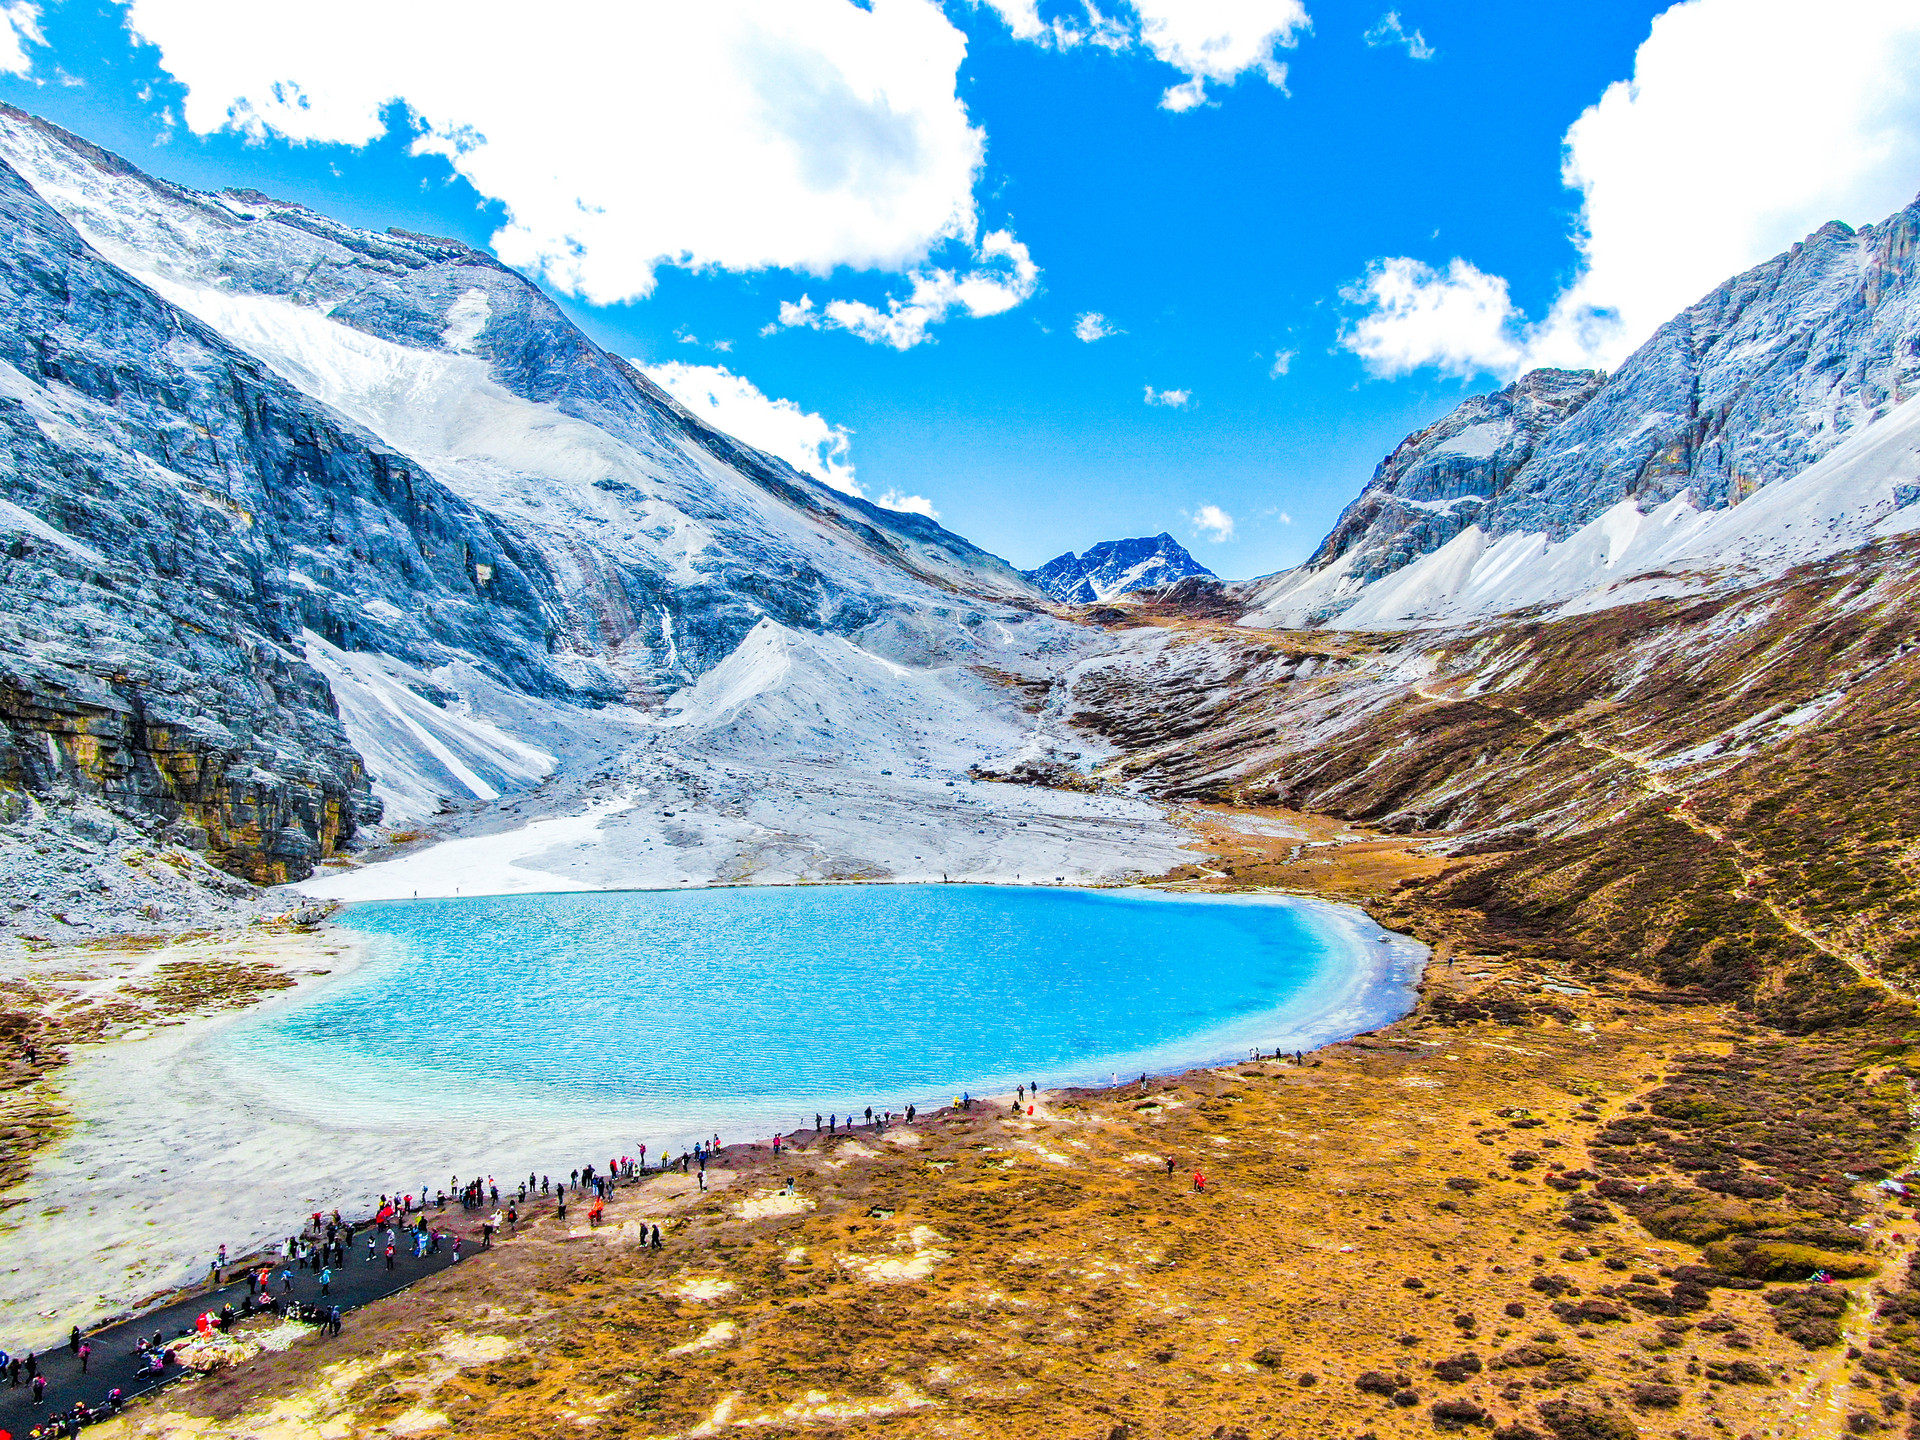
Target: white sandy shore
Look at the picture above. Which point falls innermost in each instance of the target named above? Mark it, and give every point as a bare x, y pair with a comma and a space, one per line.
177, 1151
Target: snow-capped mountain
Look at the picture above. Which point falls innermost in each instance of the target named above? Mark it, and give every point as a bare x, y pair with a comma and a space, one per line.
1761, 426
302, 521
1114, 567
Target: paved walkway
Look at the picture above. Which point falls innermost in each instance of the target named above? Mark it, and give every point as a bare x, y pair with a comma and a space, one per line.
354, 1284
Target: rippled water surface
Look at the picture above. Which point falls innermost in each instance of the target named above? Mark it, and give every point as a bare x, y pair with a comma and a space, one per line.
748, 1004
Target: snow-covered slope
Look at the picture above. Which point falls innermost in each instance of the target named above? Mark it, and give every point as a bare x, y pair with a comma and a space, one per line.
1867, 488
389, 470
1114, 567
809, 756
1563, 487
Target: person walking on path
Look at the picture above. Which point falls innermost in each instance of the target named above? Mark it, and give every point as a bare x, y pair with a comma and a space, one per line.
333, 1320
85, 1352
73, 1341
326, 1281
39, 1388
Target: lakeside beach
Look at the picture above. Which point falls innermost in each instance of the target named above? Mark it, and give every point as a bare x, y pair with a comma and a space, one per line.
213, 1131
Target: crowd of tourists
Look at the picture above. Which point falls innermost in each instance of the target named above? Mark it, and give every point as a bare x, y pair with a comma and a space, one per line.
408, 1226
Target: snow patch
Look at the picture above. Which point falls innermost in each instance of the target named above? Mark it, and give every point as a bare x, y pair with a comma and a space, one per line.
1476, 442
417, 751
12, 517
466, 318
703, 1290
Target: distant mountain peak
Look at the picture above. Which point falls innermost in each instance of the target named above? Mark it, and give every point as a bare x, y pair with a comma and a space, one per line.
1113, 567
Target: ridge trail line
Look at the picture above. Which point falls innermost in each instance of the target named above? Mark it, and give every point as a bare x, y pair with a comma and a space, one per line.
1656, 784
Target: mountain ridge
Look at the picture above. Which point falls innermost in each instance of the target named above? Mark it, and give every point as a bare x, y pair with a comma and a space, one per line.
291, 494
1115, 567
1589, 480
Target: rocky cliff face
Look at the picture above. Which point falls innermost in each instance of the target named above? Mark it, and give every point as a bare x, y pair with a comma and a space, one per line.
1564, 481
1450, 475
1115, 567
244, 444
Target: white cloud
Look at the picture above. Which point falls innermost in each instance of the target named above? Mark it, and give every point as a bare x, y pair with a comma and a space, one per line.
912, 504
1212, 522
1206, 40
1747, 125
803, 439
1086, 27
1219, 41
623, 135
1388, 30
1175, 399
1282, 363
736, 405
19, 28
1459, 321
1022, 17
1003, 275
1094, 326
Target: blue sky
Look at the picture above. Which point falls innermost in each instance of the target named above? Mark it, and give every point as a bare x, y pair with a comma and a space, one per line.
1392, 218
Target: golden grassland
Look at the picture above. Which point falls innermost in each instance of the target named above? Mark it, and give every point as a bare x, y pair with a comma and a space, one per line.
1539, 1206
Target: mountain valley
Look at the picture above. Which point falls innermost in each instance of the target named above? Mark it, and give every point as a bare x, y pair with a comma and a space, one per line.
341, 566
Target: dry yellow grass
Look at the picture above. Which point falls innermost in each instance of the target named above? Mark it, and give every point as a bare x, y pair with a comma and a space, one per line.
1376, 1238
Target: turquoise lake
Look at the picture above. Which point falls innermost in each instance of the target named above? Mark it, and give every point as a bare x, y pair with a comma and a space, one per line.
677, 1011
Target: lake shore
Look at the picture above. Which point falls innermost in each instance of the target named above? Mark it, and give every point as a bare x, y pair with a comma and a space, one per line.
177, 1145
1047, 1274
1403, 1234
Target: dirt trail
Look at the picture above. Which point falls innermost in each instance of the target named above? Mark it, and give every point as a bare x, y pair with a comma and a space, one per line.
1822, 1401
1752, 873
